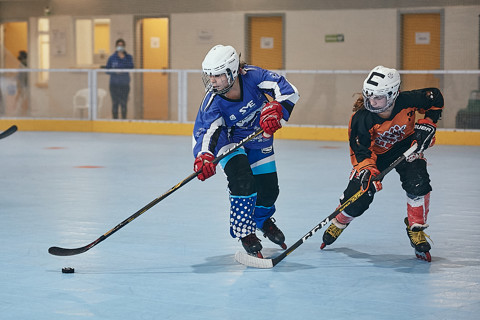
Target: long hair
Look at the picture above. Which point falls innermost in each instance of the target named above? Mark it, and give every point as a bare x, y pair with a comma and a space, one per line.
359, 103
241, 66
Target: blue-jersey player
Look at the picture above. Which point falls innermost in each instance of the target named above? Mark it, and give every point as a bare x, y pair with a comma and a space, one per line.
235, 105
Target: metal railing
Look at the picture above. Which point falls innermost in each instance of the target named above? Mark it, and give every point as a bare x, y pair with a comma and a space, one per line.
326, 96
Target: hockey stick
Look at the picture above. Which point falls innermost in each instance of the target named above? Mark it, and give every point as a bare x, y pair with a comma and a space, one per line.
255, 262
8, 132
70, 252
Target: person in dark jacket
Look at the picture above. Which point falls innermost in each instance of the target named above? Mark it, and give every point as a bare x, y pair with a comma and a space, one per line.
119, 81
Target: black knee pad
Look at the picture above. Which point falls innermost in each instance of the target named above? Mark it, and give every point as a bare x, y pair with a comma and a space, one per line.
239, 175
267, 189
414, 177
358, 207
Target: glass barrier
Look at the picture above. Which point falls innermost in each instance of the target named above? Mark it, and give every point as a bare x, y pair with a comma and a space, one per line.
326, 96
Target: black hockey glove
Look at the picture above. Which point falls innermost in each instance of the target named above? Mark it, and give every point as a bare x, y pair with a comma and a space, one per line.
424, 134
367, 179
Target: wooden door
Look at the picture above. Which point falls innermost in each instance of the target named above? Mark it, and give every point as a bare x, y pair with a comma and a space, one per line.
265, 42
155, 56
15, 39
421, 49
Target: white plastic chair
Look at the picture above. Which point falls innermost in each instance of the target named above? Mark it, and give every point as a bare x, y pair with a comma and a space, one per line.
80, 100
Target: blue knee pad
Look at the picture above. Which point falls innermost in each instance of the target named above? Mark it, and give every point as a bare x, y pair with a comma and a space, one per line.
262, 214
242, 209
224, 161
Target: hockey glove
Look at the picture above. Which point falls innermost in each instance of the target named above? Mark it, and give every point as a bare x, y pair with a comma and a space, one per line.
270, 118
203, 164
366, 177
424, 134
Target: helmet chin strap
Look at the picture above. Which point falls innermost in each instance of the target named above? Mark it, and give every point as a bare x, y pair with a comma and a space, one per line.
370, 108
227, 88
389, 110
224, 90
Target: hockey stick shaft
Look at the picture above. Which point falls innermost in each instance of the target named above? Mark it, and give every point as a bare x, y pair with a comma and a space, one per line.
269, 263
8, 132
351, 200
69, 252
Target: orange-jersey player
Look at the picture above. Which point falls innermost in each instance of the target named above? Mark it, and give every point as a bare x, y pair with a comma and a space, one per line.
382, 127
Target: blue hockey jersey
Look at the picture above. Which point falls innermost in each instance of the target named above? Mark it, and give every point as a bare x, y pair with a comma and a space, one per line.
221, 121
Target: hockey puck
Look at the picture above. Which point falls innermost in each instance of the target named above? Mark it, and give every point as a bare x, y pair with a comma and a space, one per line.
68, 270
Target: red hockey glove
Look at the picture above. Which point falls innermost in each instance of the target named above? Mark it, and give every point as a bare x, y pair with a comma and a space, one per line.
270, 117
424, 134
366, 177
203, 164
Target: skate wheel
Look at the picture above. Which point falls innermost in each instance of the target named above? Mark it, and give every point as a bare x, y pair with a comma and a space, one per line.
256, 254
428, 256
284, 246
322, 246
425, 256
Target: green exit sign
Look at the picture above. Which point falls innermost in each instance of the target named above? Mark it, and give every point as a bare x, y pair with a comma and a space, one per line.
334, 37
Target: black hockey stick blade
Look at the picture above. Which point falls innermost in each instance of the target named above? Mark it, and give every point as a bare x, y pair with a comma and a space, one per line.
255, 262
8, 132
57, 251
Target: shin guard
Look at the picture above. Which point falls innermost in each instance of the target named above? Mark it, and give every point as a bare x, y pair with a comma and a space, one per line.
262, 214
241, 215
343, 219
417, 211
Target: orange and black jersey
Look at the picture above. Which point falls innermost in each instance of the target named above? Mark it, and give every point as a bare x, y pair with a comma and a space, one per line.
370, 135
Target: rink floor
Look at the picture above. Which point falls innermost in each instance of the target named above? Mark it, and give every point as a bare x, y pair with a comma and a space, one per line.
176, 261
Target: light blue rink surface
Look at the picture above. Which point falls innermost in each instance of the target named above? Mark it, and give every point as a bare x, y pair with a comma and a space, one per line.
176, 261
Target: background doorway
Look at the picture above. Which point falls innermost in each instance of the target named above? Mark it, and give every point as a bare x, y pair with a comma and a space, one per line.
153, 47
421, 49
265, 44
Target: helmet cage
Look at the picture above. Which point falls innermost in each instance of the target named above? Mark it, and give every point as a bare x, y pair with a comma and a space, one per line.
367, 95
208, 84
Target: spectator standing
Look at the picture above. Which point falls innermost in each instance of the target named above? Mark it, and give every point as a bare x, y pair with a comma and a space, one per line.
119, 81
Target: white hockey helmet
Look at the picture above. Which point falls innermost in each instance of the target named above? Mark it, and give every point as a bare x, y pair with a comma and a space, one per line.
381, 82
220, 60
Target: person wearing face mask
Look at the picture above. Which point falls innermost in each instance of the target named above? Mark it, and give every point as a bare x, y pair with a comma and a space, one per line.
119, 81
